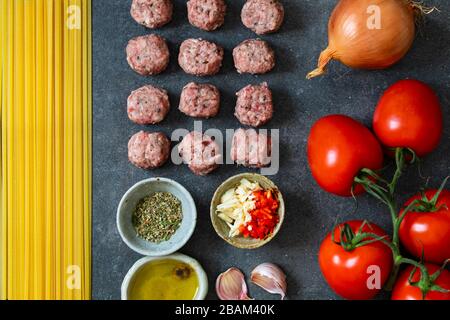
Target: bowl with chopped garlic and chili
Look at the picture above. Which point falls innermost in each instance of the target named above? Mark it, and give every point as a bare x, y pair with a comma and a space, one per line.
156, 217
247, 210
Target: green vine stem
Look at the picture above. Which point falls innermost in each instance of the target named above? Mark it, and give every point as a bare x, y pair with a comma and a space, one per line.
350, 240
384, 191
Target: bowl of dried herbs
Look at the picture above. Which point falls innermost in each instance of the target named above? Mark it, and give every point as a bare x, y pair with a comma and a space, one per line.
156, 217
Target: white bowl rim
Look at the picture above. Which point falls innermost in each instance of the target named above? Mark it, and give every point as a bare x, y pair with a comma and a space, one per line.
176, 246
201, 274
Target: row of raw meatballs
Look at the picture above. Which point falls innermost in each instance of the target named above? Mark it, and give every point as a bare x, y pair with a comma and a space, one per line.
261, 16
150, 105
199, 151
149, 55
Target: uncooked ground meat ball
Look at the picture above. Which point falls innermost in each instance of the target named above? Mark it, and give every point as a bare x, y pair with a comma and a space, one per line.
200, 57
152, 13
263, 16
251, 149
148, 150
254, 106
200, 100
200, 152
148, 105
206, 14
148, 55
254, 56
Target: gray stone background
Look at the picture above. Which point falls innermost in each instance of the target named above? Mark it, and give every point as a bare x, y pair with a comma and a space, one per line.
310, 212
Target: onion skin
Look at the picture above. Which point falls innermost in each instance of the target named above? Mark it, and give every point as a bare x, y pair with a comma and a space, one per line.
355, 45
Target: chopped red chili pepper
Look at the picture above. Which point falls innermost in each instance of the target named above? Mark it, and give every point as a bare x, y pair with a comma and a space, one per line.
264, 216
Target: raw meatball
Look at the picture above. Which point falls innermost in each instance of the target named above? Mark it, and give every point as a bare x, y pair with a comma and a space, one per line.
200, 152
254, 105
200, 100
254, 56
148, 55
148, 105
263, 16
200, 57
152, 13
148, 150
206, 14
251, 149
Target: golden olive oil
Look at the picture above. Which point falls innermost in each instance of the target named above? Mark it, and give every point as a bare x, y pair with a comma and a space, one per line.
166, 279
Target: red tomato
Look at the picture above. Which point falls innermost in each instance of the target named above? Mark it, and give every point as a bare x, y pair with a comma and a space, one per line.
409, 116
428, 231
348, 272
338, 148
403, 290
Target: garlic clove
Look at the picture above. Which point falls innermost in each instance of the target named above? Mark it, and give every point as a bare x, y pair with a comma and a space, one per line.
271, 278
231, 285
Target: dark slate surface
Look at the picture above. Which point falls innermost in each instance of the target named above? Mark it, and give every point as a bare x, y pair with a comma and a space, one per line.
299, 102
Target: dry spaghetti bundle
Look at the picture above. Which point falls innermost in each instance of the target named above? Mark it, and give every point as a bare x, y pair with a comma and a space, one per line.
45, 149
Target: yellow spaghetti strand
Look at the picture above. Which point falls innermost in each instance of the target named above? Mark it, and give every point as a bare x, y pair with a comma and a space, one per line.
50, 288
59, 147
77, 214
87, 155
31, 112
19, 156
68, 154
3, 92
8, 123
40, 159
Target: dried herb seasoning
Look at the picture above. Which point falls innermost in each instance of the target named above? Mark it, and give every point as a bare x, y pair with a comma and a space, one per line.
157, 217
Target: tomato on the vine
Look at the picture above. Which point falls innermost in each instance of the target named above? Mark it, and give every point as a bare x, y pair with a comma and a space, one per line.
405, 290
427, 228
347, 264
338, 148
409, 115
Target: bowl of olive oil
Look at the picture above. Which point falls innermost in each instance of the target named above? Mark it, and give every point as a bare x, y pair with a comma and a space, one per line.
173, 277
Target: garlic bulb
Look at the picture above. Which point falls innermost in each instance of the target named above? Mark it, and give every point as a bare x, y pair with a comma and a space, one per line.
231, 285
271, 278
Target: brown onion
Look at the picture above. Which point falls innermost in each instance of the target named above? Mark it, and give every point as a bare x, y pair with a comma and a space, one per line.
368, 34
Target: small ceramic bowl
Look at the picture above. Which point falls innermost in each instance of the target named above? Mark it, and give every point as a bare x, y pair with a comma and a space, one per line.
128, 205
222, 228
201, 274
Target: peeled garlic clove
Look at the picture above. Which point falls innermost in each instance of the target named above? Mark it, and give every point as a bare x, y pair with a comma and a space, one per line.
271, 278
231, 285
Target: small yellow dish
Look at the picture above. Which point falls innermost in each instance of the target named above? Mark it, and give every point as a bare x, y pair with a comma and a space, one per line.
175, 277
